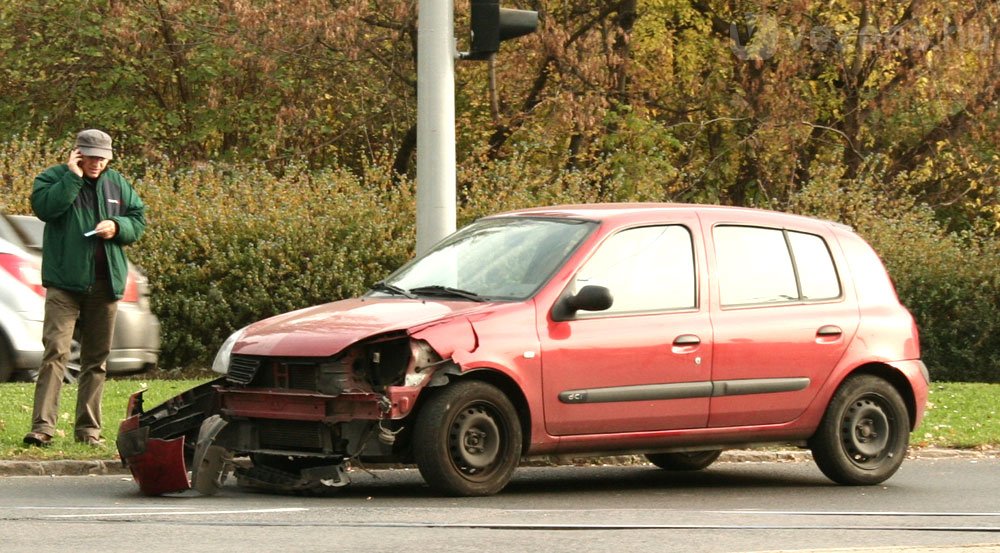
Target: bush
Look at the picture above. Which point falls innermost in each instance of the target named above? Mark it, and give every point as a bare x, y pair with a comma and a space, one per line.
949, 281
231, 244
227, 246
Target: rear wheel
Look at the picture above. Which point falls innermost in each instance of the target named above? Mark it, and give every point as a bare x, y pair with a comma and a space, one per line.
863, 436
688, 460
467, 440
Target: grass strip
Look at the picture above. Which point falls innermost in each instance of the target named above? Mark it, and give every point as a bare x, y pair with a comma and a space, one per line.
959, 415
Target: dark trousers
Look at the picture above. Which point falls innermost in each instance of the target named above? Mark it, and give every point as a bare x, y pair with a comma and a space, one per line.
96, 310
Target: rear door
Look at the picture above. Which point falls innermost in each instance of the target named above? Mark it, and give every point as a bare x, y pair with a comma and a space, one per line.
782, 321
644, 364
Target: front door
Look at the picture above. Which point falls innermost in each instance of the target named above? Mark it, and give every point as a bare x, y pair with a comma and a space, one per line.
645, 363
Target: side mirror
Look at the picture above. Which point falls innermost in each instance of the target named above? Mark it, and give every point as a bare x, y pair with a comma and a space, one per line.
590, 298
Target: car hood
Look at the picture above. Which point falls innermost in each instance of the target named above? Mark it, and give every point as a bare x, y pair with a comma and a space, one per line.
327, 329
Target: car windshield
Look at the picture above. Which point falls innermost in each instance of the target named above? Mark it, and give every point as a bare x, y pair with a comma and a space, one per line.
506, 258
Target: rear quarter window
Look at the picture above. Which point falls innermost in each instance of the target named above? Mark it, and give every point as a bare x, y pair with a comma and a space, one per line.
759, 265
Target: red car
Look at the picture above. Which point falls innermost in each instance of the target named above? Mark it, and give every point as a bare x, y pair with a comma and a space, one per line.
674, 331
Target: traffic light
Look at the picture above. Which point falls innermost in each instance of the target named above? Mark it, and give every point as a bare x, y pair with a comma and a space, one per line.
492, 24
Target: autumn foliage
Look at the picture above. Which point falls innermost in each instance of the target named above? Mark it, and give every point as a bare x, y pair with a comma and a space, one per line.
274, 140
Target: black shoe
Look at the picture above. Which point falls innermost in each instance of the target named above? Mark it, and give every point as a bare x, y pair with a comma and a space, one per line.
37, 439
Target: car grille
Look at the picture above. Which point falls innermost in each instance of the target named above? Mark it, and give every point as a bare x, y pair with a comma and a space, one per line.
301, 376
295, 435
242, 369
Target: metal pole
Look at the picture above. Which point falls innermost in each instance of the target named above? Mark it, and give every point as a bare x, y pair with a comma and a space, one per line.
435, 122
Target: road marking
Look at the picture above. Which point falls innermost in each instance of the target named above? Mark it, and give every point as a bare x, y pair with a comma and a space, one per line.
861, 513
584, 526
183, 513
762, 512
32, 508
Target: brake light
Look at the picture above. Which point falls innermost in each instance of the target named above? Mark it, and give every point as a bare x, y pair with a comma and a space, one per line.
131, 289
27, 271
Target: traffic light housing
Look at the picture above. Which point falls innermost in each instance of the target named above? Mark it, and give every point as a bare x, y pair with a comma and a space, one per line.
492, 24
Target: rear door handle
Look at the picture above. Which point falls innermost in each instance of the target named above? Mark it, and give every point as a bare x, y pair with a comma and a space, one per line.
829, 330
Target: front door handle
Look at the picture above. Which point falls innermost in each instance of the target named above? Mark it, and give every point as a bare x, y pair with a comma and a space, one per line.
687, 340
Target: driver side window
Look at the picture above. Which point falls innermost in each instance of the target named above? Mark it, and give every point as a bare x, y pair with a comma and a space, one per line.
647, 269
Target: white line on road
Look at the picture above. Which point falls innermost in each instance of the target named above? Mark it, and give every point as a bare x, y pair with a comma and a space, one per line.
134, 507
184, 513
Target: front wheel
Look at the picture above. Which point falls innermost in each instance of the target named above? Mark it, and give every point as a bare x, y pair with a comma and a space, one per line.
467, 440
6, 361
863, 436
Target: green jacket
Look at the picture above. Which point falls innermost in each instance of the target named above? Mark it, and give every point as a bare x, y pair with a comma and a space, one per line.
65, 202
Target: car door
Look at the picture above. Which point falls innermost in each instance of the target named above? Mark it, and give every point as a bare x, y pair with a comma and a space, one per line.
644, 363
782, 322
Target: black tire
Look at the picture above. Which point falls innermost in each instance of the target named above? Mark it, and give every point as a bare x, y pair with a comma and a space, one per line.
72, 373
863, 436
6, 361
467, 440
687, 460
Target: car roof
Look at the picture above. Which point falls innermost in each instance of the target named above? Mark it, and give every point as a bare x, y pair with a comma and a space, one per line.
30, 228
624, 212
7, 246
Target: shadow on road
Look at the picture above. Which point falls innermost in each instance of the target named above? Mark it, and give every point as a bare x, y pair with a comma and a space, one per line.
569, 480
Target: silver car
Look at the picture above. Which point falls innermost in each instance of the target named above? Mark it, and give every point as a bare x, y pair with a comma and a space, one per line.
135, 347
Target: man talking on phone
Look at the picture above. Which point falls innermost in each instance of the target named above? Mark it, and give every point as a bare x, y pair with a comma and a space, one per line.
90, 213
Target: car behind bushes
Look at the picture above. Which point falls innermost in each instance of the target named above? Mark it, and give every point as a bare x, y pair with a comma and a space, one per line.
135, 345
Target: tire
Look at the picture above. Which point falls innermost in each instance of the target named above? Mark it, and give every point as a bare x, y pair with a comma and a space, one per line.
6, 361
72, 373
863, 436
467, 440
687, 461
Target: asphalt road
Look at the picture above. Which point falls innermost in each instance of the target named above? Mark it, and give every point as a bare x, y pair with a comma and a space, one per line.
760, 506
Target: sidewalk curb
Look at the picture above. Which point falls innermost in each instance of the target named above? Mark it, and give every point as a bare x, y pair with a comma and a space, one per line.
113, 466
61, 468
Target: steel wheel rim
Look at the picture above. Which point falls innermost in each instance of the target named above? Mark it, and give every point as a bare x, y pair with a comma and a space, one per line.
474, 441
866, 431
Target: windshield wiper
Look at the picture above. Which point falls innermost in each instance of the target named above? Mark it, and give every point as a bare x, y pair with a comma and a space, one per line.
438, 290
392, 289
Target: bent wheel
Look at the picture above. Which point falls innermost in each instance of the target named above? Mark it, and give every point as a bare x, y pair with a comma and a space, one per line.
467, 440
688, 460
863, 436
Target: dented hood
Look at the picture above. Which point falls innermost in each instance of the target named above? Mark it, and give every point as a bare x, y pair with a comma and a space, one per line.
326, 329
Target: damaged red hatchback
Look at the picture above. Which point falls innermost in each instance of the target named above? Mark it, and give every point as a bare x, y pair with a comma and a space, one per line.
673, 331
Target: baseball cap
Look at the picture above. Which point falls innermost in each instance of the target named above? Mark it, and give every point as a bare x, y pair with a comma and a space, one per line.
93, 142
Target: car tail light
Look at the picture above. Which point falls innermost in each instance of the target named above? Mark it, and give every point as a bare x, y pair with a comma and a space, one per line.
131, 288
26, 271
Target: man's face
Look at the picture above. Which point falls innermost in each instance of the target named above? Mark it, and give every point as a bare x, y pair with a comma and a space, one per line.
92, 166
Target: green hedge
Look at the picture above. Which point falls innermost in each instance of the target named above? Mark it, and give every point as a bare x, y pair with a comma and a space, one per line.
230, 244
949, 281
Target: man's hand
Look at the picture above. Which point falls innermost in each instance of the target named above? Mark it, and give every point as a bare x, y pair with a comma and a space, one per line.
106, 229
74, 162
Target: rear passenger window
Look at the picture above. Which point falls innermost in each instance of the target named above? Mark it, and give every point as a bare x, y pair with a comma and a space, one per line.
816, 271
760, 265
646, 269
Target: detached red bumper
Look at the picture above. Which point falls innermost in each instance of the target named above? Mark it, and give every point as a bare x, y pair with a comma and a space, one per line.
155, 445
157, 465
